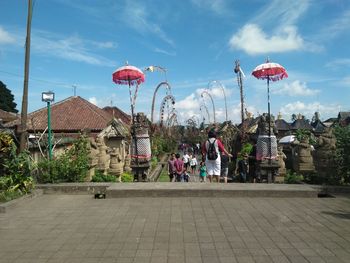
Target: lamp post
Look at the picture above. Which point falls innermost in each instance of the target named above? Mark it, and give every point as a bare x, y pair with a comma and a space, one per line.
48, 97
223, 91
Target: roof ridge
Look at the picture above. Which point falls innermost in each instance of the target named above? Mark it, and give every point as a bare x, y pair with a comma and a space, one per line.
89, 104
53, 105
119, 109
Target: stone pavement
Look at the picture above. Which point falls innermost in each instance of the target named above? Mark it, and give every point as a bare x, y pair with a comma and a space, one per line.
78, 228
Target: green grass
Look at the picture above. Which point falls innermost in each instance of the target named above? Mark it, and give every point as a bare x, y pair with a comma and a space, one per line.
6, 196
164, 177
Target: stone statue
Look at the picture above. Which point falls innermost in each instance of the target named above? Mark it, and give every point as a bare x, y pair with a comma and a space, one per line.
93, 157
281, 157
116, 165
325, 153
303, 161
103, 157
263, 125
327, 140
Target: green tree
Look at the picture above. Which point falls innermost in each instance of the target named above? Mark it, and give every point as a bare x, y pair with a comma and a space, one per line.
7, 99
343, 152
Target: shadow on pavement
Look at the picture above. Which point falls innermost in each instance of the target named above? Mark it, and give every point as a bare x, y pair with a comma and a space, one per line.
340, 214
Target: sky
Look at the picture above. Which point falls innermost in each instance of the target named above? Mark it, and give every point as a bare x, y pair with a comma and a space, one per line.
80, 43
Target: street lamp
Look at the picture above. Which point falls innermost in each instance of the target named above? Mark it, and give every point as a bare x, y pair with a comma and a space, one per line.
48, 97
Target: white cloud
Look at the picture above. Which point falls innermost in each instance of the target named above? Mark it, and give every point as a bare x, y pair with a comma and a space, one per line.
234, 113
336, 26
5, 37
162, 51
136, 16
215, 92
217, 6
107, 44
285, 12
329, 110
188, 103
344, 81
338, 63
71, 48
253, 40
93, 100
295, 89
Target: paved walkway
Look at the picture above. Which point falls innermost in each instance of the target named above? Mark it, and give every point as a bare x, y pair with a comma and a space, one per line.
78, 228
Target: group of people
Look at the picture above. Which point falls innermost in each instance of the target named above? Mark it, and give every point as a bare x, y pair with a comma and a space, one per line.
214, 164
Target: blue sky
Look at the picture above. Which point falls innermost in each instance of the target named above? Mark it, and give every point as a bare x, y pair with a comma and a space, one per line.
81, 42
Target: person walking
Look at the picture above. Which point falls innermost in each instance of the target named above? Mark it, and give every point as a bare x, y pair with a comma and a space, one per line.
171, 167
211, 154
186, 160
224, 166
193, 164
242, 168
179, 168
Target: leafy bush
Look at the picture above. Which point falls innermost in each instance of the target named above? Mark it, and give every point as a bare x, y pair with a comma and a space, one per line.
154, 162
247, 148
316, 178
6, 144
71, 166
127, 177
293, 178
100, 177
301, 134
15, 177
342, 157
162, 145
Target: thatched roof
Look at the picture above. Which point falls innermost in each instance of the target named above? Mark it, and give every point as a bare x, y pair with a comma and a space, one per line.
318, 126
282, 125
301, 124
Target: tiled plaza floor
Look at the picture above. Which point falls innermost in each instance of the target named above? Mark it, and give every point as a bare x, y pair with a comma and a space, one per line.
78, 228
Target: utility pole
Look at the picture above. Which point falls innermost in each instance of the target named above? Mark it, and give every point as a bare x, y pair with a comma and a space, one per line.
238, 71
240, 75
23, 128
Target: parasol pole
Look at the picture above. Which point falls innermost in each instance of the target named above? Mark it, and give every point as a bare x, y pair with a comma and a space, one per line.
268, 110
133, 125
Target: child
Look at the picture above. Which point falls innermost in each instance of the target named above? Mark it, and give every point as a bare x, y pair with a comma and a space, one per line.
193, 164
202, 172
186, 176
242, 168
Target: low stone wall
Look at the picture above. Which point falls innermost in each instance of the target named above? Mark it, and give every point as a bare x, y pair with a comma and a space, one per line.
5, 206
74, 188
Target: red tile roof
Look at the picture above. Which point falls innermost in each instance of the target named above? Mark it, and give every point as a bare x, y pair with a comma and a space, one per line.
118, 114
70, 115
6, 116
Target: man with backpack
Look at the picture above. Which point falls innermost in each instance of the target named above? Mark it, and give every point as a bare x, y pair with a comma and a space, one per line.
211, 154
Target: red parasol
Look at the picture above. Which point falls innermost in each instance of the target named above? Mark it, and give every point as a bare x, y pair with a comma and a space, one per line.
129, 75
269, 71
